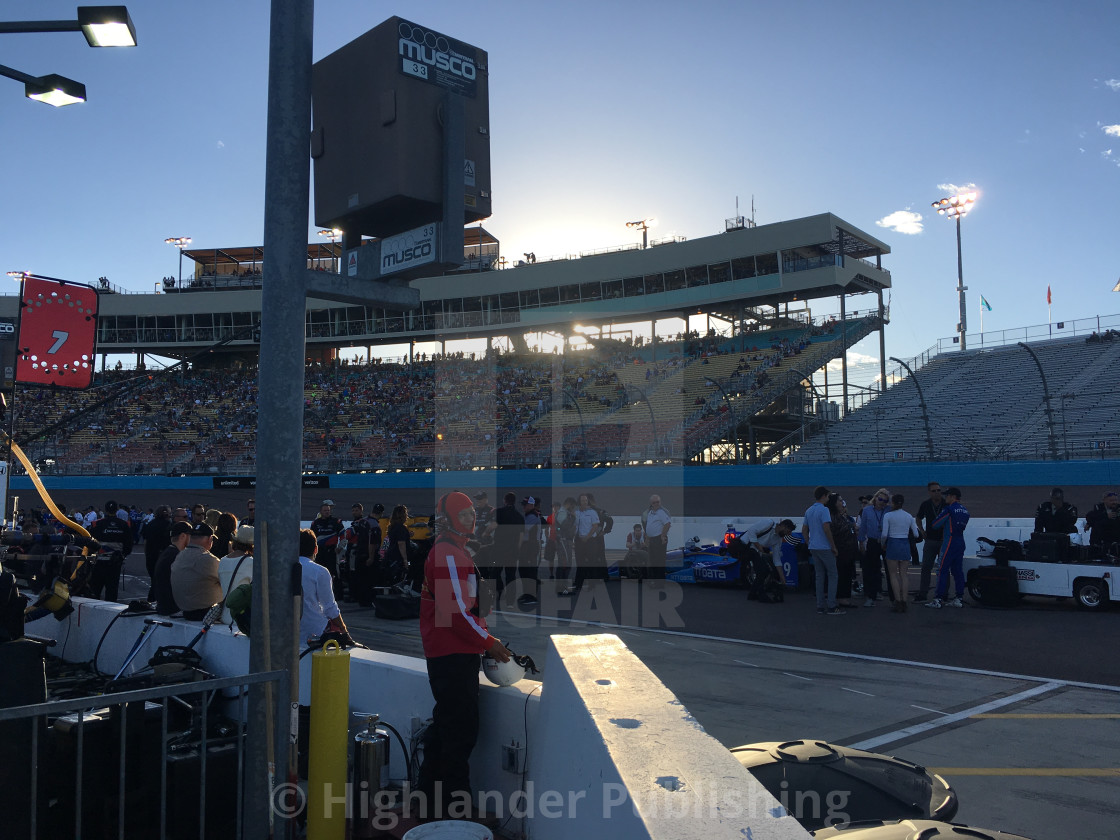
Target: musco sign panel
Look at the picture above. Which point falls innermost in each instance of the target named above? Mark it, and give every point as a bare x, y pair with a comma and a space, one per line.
435, 58
409, 249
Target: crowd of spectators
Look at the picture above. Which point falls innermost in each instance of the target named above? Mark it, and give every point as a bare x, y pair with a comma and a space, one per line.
442, 412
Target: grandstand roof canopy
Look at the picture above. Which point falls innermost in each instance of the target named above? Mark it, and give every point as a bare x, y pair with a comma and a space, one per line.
474, 236
255, 253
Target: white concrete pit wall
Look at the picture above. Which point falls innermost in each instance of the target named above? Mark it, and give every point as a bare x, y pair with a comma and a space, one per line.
608, 750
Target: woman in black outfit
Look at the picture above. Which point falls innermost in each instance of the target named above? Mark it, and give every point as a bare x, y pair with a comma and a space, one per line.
847, 548
395, 564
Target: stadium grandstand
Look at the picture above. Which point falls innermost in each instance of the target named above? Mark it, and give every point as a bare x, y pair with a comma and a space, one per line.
740, 391
759, 386
1035, 399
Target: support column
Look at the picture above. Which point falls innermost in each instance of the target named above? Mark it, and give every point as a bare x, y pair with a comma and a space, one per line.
882, 346
653, 337
844, 352
280, 379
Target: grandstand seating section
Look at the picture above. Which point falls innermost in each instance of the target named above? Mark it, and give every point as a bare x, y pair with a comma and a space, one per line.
987, 404
606, 404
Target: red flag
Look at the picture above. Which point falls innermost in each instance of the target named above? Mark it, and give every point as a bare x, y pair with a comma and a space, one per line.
1048, 300
57, 333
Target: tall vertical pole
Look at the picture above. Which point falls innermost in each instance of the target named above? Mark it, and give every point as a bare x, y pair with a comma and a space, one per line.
882, 345
844, 352
961, 289
280, 429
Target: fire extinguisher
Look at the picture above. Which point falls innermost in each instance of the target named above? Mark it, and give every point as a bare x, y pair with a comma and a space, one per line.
371, 771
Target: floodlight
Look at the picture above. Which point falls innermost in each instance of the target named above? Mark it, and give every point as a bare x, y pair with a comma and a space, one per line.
55, 90
107, 26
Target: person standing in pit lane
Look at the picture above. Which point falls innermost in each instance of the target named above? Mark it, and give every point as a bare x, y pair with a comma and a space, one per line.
454, 636
952, 520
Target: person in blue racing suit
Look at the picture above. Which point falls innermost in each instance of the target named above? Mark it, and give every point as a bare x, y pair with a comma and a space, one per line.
952, 521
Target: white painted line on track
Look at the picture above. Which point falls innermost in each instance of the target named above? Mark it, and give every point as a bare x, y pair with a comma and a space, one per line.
741, 662
927, 709
854, 691
918, 729
705, 652
861, 657
797, 676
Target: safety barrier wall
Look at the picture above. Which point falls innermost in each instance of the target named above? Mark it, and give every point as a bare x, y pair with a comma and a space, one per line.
570, 739
965, 473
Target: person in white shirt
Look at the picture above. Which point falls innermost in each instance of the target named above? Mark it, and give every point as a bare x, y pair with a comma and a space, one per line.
765, 537
587, 528
320, 610
656, 521
898, 525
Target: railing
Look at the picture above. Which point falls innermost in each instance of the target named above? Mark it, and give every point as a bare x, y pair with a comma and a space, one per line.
133, 751
1038, 332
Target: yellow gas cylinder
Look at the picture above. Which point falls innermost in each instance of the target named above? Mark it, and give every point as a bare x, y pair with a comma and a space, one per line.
328, 740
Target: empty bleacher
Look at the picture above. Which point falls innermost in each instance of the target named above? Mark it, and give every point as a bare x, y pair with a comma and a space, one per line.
988, 404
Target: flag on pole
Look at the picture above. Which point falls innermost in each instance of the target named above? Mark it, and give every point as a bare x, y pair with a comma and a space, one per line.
984, 303
1048, 299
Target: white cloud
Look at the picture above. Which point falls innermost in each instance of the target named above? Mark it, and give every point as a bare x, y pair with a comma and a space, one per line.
954, 189
854, 359
221, 145
1111, 130
902, 221
1106, 154
1114, 84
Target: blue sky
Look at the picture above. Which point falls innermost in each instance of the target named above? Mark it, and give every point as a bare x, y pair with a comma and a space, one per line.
607, 112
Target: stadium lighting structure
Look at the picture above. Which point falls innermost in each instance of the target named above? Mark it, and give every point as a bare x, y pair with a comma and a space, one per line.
179, 242
956, 207
334, 234
53, 89
103, 26
643, 225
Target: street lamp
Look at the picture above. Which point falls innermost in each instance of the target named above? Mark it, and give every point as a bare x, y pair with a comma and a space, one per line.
103, 26
711, 383
579, 411
957, 207
809, 381
53, 89
922, 402
179, 242
649, 405
334, 234
643, 225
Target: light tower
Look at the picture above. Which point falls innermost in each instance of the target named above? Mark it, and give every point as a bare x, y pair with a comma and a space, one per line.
956, 207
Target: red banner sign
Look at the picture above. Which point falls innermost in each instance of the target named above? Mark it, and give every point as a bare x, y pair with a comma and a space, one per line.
57, 333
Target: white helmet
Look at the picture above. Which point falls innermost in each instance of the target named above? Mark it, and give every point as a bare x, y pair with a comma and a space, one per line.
507, 673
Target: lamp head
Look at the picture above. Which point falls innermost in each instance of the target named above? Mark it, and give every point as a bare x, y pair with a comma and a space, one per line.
55, 90
107, 26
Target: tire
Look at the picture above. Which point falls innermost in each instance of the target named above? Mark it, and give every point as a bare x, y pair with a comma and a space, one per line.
1090, 593
973, 589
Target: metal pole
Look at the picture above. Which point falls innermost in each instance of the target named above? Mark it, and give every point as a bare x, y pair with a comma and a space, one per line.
961, 289
280, 429
816, 393
1046, 401
882, 345
922, 400
844, 353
